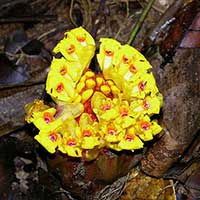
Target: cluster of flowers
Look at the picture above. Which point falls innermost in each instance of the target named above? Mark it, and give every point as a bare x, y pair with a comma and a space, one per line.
110, 109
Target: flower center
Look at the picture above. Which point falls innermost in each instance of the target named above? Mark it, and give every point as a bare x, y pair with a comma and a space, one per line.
81, 38
132, 69
48, 117
146, 104
124, 113
87, 133
63, 70
129, 137
71, 49
106, 107
125, 60
109, 53
71, 142
112, 131
60, 87
53, 137
141, 85
145, 126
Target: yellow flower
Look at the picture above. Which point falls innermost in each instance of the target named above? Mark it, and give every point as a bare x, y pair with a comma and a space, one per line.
79, 44
145, 84
60, 88
150, 105
128, 62
146, 129
126, 117
36, 106
71, 142
130, 141
69, 48
69, 70
71, 146
111, 109
88, 133
82, 36
128, 56
129, 68
108, 49
45, 120
49, 139
104, 107
111, 132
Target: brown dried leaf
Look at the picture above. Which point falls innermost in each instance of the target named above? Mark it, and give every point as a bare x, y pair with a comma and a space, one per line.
12, 102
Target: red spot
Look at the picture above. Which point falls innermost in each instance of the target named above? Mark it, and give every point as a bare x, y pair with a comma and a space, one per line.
112, 131
125, 60
145, 126
53, 137
63, 70
71, 142
87, 133
60, 87
106, 107
124, 113
81, 38
71, 49
133, 69
141, 85
48, 117
129, 137
109, 53
146, 105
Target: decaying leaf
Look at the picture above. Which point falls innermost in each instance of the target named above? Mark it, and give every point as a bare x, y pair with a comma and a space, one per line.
140, 186
181, 88
12, 103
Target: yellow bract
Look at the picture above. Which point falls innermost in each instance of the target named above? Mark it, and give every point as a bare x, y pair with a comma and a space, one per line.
111, 109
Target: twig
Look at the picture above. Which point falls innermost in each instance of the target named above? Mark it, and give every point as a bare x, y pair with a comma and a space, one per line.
98, 18
165, 20
70, 13
138, 25
26, 19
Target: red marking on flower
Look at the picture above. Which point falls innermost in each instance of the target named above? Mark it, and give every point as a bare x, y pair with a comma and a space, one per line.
109, 53
71, 49
63, 70
71, 142
48, 117
53, 137
125, 60
112, 131
124, 112
141, 85
60, 87
146, 104
129, 137
133, 69
106, 107
145, 126
81, 38
87, 133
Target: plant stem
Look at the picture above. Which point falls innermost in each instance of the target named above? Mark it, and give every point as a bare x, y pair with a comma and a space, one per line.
139, 23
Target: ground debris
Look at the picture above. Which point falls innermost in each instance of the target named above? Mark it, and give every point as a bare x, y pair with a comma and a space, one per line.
140, 186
